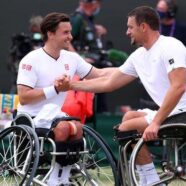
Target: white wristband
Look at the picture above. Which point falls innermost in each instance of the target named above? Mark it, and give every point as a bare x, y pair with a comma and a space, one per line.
49, 92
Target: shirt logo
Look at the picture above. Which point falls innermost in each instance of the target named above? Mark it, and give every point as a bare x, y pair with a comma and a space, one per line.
26, 67
66, 67
171, 61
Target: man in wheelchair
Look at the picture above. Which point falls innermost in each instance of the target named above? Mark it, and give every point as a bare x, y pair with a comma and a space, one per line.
40, 83
160, 63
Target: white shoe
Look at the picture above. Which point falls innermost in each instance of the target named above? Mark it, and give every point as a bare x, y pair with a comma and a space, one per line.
52, 183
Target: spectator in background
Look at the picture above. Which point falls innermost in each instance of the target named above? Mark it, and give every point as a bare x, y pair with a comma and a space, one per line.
22, 44
88, 41
87, 38
35, 22
35, 30
87, 34
169, 26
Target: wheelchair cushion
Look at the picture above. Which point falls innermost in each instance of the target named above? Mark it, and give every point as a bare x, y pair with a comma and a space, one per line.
69, 146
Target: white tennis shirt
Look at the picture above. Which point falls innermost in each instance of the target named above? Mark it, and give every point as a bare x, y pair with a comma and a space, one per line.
152, 67
38, 70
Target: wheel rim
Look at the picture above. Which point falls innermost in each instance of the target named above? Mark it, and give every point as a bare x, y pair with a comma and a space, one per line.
14, 163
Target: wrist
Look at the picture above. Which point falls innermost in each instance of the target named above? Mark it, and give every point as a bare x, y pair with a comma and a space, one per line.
50, 92
70, 86
156, 123
57, 91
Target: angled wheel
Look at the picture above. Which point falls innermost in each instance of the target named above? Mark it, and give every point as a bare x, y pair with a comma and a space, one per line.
18, 157
172, 165
97, 165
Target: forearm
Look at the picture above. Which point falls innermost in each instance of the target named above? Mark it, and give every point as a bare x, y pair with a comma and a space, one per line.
104, 72
98, 85
31, 96
28, 95
171, 99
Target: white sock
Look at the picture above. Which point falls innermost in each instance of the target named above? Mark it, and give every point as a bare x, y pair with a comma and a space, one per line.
65, 174
150, 173
142, 177
53, 178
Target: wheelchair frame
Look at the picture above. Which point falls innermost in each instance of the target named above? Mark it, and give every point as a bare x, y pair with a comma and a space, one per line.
123, 171
88, 173
173, 173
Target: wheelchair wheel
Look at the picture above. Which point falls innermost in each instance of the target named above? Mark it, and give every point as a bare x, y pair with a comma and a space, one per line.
97, 166
18, 159
168, 154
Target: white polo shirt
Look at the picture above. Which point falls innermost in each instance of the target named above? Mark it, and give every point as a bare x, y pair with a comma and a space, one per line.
152, 67
38, 70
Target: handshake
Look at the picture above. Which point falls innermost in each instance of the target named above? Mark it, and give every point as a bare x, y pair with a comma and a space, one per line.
62, 83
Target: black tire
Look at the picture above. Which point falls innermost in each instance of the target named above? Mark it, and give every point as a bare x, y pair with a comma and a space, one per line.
18, 160
97, 166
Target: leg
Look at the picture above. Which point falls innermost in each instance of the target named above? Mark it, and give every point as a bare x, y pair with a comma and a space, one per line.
173, 171
65, 130
133, 114
134, 120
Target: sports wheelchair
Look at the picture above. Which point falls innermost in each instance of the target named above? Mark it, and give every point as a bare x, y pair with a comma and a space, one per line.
168, 154
27, 158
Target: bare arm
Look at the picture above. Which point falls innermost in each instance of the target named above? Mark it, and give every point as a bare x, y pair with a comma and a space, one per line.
29, 95
103, 72
103, 84
177, 88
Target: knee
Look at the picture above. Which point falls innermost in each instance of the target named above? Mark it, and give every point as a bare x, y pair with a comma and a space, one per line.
78, 132
62, 131
68, 129
129, 115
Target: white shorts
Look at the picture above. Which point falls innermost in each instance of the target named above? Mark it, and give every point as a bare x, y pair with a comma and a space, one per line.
150, 114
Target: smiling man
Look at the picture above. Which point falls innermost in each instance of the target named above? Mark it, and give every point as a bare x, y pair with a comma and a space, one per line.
160, 64
38, 82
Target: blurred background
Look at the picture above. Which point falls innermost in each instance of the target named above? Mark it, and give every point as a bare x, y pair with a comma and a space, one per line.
15, 16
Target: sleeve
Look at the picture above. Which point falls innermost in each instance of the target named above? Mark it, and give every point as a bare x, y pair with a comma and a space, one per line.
83, 68
175, 56
27, 73
128, 67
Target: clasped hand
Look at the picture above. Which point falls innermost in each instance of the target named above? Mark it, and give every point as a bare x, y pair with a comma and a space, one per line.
62, 83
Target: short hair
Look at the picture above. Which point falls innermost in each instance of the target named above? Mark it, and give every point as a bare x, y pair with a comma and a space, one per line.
36, 20
35, 23
51, 22
146, 14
